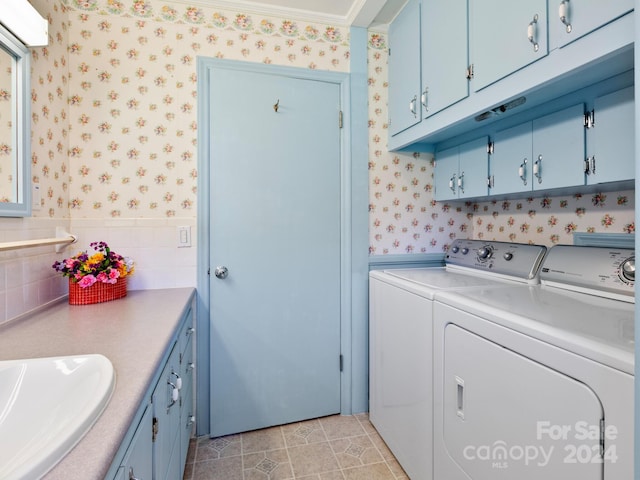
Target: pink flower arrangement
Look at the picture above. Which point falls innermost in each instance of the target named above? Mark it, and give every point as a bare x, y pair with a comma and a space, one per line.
103, 266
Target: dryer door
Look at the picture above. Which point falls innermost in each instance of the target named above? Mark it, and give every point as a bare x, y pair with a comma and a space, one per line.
508, 417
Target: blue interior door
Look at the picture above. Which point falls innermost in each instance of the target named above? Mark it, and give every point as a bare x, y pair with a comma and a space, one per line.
276, 228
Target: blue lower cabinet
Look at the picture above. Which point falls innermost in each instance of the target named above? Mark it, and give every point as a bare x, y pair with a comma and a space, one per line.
166, 417
157, 445
138, 459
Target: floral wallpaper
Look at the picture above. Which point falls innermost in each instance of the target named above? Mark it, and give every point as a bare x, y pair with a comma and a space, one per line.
115, 126
128, 77
553, 220
50, 122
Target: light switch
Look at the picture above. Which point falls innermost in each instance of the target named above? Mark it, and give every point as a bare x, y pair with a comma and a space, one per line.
36, 198
184, 236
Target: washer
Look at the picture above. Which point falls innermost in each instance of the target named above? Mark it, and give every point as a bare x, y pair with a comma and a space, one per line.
536, 382
401, 334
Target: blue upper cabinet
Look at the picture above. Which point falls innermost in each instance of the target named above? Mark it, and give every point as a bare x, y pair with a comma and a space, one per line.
511, 164
461, 172
520, 56
404, 69
558, 149
473, 166
610, 138
543, 154
446, 174
506, 35
445, 57
571, 19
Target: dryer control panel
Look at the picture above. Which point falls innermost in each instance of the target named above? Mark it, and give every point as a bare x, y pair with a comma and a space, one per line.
517, 260
601, 270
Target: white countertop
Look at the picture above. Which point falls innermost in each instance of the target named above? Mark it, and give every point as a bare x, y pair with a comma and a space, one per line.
133, 333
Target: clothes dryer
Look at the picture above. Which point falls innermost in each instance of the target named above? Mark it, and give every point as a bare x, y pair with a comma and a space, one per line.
536, 382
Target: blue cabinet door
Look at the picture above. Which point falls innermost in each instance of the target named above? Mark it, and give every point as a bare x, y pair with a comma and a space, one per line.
404, 69
499, 34
571, 19
137, 462
166, 416
510, 163
610, 143
558, 149
446, 174
473, 168
461, 171
444, 80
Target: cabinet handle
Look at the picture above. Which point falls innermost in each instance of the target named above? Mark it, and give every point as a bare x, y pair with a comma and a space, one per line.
522, 171
132, 476
563, 13
593, 165
412, 105
537, 169
175, 395
452, 183
178, 380
191, 420
532, 32
587, 166
461, 182
425, 99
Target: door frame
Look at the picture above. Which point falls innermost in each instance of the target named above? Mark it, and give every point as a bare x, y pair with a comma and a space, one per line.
350, 245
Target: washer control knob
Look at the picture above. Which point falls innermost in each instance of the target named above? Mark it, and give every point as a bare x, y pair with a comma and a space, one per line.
455, 249
508, 256
465, 250
484, 252
629, 269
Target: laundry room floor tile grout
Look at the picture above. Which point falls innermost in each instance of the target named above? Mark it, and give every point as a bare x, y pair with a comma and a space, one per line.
338, 447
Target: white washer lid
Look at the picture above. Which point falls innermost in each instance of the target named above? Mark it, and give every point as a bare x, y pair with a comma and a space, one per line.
427, 281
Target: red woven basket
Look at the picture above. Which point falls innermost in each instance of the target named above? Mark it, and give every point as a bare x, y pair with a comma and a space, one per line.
97, 293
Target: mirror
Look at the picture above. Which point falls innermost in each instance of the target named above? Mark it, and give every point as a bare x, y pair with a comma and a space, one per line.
15, 142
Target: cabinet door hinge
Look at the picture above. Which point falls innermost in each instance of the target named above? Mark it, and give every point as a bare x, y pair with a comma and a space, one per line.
340, 119
469, 72
490, 148
341, 362
154, 429
590, 119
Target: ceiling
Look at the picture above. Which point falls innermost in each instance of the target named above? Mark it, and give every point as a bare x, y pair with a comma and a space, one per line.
359, 13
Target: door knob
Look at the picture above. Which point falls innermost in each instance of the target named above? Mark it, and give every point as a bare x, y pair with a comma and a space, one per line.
221, 272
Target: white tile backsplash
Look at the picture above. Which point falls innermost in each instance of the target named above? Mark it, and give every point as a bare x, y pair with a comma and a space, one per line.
27, 280
153, 245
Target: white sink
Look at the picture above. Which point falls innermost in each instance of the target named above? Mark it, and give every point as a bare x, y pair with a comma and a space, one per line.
46, 406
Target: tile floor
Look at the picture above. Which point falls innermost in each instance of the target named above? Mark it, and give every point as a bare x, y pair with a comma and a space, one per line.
329, 448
